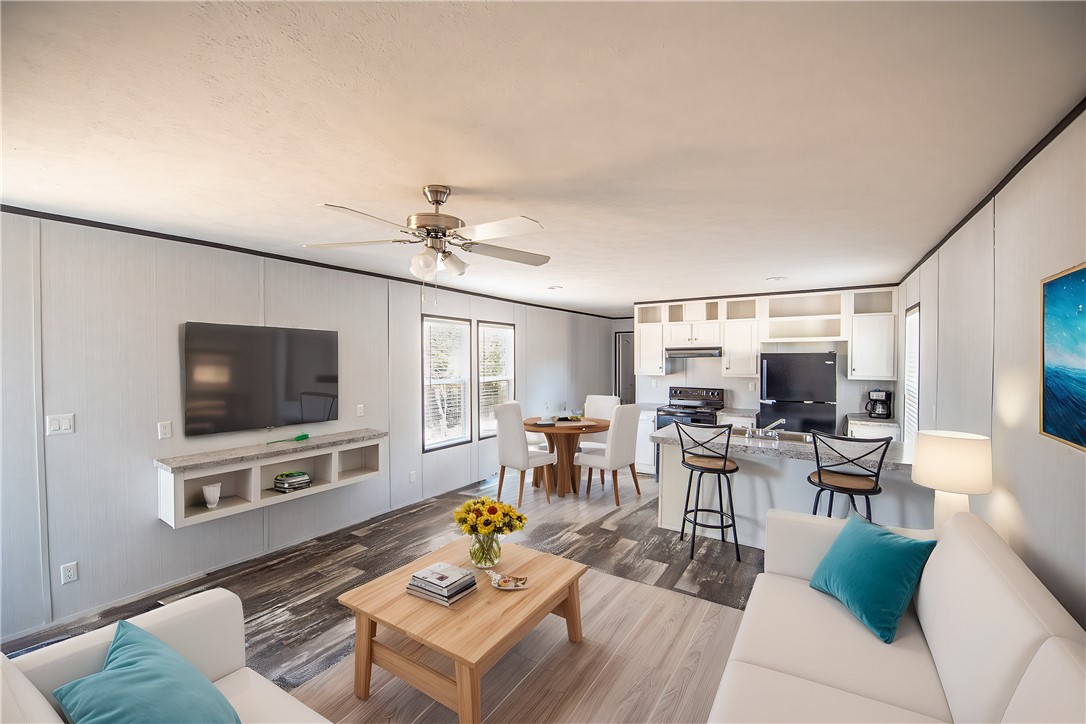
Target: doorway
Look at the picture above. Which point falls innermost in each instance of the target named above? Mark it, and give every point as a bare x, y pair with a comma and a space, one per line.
625, 387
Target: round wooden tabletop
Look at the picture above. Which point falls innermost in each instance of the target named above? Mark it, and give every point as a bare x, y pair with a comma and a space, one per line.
583, 426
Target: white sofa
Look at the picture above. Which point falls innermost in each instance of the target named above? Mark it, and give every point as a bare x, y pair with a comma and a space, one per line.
206, 628
984, 641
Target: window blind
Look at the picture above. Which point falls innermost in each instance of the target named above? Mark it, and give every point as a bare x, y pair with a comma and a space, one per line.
496, 372
446, 371
911, 417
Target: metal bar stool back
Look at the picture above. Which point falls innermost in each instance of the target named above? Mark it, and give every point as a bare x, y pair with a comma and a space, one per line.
699, 458
847, 465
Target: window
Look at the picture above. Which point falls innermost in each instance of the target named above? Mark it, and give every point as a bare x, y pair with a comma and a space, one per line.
497, 383
446, 368
911, 403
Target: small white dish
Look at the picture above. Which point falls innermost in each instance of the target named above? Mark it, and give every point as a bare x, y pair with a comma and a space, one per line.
507, 582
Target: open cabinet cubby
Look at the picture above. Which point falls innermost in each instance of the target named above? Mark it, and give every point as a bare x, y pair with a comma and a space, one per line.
247, 474
815, 305
875, 302
741, 309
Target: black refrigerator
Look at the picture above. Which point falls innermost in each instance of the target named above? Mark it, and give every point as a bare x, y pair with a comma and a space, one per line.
802, 389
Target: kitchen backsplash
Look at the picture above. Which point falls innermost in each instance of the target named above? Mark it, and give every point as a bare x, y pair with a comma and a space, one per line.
706, 372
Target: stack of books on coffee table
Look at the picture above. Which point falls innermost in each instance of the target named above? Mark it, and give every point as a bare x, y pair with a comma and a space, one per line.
442, 583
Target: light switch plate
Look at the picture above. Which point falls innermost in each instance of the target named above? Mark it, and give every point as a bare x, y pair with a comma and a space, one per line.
60, 424
360, 410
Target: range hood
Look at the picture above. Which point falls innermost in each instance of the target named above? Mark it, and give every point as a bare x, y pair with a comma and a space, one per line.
688, 352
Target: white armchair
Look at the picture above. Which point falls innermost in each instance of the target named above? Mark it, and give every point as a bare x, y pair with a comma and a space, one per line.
513, 451
619, 451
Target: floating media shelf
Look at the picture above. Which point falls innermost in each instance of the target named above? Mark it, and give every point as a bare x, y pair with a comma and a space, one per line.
248, 474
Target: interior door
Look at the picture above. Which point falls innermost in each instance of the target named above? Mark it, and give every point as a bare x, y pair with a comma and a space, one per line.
625, 385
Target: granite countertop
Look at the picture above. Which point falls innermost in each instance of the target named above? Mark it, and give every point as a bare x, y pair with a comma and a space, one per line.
862, 418
738, 412
779, 448
213, 458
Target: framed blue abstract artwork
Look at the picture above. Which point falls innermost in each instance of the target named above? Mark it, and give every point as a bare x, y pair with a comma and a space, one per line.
1063, 356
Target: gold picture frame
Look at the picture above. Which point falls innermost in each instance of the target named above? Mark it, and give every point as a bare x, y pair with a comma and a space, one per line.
1063, 357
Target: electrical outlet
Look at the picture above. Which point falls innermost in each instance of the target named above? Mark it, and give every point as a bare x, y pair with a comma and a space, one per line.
60, 424
411, 476
69, 572
360, 410
165, 430
863, 389
752, 386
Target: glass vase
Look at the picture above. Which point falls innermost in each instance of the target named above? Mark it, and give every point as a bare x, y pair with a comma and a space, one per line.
485, 550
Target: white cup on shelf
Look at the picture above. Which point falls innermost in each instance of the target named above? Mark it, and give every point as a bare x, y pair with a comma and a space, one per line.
211, 494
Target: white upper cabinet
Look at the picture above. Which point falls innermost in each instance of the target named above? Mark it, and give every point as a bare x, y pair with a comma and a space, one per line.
741, 348
872, 347
649, 339
693, 334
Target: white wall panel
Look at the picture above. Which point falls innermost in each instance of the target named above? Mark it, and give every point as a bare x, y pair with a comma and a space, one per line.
405, 392
357, 307
1040, 483
24, 601
106, 307
966, 310
548, 345
929, 342
446, 469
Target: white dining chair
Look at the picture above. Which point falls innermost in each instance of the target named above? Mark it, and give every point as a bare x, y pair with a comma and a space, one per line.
619, 451
513, 451
600, 407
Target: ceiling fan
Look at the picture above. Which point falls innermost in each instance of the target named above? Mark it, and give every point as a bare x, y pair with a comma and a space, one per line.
441, 233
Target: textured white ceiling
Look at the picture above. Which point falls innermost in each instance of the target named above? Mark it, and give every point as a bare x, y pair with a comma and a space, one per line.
669, 150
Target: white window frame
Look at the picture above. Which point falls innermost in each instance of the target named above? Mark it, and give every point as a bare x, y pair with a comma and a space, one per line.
481, 380
464, 381
910, 384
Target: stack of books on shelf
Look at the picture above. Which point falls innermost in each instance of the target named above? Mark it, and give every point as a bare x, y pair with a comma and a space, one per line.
442, 583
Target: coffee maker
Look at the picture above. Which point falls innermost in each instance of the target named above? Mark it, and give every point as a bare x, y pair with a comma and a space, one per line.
879, 404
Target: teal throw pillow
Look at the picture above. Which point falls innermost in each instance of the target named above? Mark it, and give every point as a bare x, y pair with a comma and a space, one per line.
144, 680
873, 572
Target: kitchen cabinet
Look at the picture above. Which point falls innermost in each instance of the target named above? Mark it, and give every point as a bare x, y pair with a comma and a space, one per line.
867, 428
650, 349
872, 347
693, 334
645, 453
741, 348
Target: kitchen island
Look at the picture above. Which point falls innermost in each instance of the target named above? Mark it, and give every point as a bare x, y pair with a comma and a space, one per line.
773, 474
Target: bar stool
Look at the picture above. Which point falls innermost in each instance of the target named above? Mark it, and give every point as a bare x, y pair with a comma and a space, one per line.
847, 465
699, 458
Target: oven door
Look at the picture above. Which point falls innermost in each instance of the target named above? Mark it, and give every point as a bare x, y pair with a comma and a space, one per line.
705, 418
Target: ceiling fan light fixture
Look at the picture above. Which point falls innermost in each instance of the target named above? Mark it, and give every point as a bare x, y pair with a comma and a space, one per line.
425, 262
454, 265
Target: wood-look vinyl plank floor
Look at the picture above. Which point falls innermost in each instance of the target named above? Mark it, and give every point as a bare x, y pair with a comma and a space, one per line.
295, 629
647, 655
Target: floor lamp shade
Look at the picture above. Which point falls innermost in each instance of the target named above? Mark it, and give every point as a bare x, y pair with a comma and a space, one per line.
955, 462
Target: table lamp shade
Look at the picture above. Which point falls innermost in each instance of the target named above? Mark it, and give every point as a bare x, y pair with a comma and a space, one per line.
954, 462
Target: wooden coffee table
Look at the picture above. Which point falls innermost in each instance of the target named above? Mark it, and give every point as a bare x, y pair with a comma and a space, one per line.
475, 632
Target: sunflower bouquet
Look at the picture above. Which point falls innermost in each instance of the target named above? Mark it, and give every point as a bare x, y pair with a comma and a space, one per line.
484, 519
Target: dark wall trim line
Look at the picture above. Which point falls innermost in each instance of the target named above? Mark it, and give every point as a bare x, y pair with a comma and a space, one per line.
767, 294
268, 255
1030, 155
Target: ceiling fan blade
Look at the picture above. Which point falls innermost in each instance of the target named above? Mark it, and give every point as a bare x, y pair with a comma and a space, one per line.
336, 244
501, 252
371, 217
498, 229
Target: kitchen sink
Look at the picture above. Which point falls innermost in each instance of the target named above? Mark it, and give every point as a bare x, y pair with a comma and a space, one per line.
785, 435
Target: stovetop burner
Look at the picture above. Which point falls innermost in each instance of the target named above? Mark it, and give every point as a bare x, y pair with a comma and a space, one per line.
695, 398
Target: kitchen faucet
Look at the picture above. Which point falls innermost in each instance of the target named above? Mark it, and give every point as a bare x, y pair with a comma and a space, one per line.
769, 431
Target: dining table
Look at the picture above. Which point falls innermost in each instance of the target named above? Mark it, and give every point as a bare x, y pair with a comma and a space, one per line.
562, 438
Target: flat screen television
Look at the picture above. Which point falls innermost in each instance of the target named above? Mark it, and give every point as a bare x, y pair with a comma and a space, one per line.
241, 377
